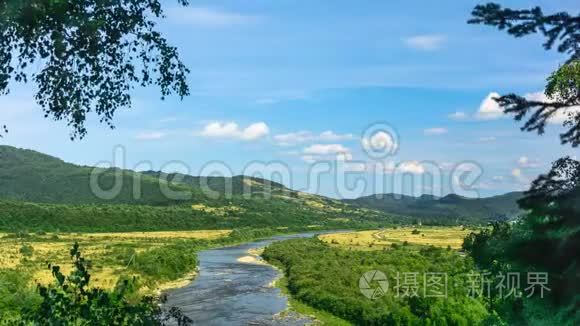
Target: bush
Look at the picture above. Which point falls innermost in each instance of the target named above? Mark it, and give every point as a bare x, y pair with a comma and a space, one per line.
15, 294
26, 250
70, 301
168, 262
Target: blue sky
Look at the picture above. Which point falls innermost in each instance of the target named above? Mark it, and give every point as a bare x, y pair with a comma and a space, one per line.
297, 83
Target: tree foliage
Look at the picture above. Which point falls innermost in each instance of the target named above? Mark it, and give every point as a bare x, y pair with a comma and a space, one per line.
88, 55
547, 237
70, 301
327, 278
562, 93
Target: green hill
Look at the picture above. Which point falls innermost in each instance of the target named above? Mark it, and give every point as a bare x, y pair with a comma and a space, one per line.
234, 186
28, 175
452, 208
38, 191
41, 192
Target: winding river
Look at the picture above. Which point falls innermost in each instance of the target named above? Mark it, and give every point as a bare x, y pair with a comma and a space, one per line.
228, 291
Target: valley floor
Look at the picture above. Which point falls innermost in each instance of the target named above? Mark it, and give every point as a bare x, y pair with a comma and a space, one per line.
111, 254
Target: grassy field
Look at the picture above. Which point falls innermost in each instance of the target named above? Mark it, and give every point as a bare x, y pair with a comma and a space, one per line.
385, 238
109, 253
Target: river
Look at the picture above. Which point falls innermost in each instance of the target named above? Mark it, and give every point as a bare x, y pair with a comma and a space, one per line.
229, 292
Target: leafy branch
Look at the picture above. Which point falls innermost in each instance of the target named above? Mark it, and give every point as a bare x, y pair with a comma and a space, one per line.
561, 100
88, 55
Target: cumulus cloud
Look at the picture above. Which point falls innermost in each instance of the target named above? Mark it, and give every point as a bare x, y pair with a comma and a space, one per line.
293, 138
414, 167
207, 17
231, 130
525, 162
519, 177
329, 135
489, 109
318, 152
150, 135
561, 115
325, 149
255, 131
435, 131
425, 42
303, 136
458, 115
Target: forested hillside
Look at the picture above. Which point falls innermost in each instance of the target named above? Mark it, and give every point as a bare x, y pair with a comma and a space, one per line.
28, 175
41, 192
451, 208
65, 200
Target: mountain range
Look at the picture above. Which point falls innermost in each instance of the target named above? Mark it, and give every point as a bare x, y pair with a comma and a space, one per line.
38, 183
429, 209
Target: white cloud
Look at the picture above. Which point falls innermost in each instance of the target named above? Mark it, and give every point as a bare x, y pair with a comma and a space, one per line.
303, 136
151, 135
435, 131
498, 178
525, 162
458, 115
308, 158
221, 130
293, 138
354, 166
561, 115
519, 177
255, 131
425, 42
326, 149
232, 130
318, 152
380, 141
207, 17
489, 109
329, 135
411, 167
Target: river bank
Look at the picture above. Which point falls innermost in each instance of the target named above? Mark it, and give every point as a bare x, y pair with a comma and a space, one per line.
232, 290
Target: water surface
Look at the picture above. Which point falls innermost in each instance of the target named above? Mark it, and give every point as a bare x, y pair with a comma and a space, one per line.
229, 292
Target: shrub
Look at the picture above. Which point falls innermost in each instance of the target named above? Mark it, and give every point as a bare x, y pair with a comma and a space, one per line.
69, 301
26, 250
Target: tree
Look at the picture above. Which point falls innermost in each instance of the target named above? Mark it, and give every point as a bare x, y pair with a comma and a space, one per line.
562, 94
547, 238
70, 301
90, 55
